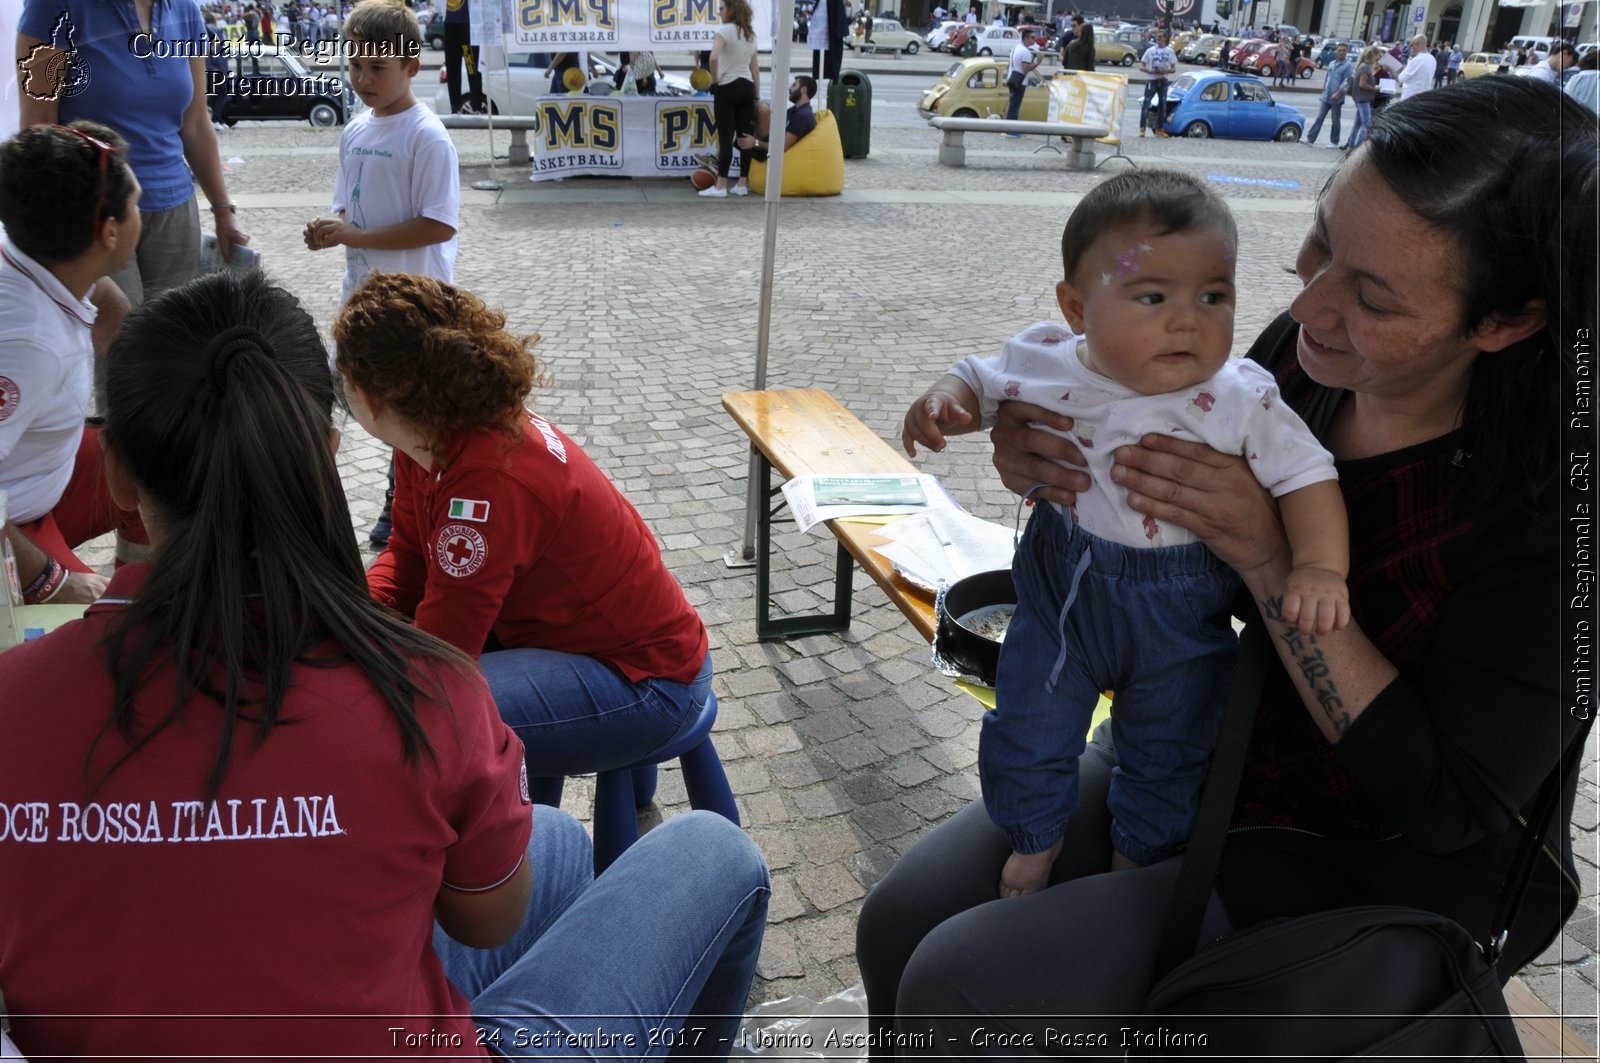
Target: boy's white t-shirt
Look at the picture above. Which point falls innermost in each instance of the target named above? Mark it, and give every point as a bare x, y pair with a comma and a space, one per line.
391, 170
1237, 411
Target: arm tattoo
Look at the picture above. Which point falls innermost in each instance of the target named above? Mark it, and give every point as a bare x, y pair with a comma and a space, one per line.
1305, 652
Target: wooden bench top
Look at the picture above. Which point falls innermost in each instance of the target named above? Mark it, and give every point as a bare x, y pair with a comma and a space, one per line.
1541, 1031
805, 432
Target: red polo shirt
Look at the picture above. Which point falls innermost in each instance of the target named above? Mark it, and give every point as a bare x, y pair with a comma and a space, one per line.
531, 541
301, 902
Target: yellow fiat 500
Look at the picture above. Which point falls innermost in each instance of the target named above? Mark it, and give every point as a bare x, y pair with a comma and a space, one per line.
976, 88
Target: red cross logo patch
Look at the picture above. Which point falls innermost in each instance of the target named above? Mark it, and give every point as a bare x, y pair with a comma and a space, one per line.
10, 396
460, 550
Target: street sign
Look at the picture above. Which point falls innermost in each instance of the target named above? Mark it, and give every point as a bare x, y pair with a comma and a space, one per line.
1417, 15
1181, 7
1575, 15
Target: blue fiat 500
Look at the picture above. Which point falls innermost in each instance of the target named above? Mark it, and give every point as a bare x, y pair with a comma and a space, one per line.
1217, 104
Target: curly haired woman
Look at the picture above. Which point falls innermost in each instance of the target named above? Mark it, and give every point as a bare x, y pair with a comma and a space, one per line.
509, 542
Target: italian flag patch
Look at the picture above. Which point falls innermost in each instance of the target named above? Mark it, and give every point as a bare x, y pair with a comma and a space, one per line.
473, 509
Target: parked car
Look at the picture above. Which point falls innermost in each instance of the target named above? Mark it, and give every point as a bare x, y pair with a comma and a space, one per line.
1114, 52
1244, 50
938, 38
1330, 49
1213, 56
1274, 57
1480, 63
998, 40
529, 82
887, 36
435, 32
976, 88
276, 84
1197, 50
1214, 104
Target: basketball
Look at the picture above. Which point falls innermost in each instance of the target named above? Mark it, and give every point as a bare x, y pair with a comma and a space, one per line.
572, 78
702, 178
700, 79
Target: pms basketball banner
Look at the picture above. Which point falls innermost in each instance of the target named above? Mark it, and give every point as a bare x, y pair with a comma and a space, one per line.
1079, 97
622, 25
634, 136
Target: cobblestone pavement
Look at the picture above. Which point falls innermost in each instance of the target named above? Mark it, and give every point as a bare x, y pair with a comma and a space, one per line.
843, 750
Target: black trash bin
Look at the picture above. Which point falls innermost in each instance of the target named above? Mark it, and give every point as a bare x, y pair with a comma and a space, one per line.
850, 100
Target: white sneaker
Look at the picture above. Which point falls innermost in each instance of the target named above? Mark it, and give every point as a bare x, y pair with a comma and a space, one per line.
714, 192
740, 190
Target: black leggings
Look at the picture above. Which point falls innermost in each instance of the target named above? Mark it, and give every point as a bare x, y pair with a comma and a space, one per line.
458, 49
937, 947
734, 108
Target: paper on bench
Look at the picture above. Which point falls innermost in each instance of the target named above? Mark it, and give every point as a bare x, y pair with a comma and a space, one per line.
801, 495
946, 545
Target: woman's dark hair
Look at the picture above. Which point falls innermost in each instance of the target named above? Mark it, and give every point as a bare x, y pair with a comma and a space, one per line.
50, 181
219, 406
1166, 198
1506, 167
437, 356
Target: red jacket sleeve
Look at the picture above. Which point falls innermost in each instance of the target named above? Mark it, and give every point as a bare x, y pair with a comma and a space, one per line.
472, 563
397, 577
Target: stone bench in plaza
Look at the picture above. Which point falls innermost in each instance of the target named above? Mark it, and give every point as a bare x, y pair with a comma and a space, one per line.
517, 125
953, 148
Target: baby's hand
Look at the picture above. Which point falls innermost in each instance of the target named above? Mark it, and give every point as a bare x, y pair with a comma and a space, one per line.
1027, 873
1316, 599
928, 418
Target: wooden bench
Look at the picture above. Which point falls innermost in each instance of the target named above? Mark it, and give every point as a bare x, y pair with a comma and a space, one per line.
1543, 1034
517, 125
953, 148
805, 432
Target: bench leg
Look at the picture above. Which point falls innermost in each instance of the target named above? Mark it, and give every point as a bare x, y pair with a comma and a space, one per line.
952, 149
1081, 157
767, 628
520, 155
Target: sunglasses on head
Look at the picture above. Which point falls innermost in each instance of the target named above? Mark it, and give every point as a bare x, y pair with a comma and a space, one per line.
106, 151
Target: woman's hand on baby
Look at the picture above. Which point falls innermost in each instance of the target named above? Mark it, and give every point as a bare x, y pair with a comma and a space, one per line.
1027, 873
929, 418
1211, 494
1316, 599
1025, 454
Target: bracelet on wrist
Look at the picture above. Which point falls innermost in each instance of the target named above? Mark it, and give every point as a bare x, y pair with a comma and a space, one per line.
46, 584
229, 207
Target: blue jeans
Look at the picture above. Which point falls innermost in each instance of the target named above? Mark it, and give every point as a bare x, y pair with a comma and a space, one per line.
661, 948
1363, 122
577, 715
1325, 108
1150, 624
1014, 102
1156, 87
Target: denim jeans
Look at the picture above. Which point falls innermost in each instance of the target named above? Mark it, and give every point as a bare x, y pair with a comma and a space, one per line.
576, 715
1324, 109
1014, 99
1156, 87
1363, 121
1152, 625
661, 948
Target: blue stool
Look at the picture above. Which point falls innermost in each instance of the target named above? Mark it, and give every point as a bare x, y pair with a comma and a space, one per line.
620, 792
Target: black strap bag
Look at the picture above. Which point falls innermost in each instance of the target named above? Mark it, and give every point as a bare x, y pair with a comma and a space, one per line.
1364, 983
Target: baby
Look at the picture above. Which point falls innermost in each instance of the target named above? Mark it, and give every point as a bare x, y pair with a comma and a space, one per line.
1110, 599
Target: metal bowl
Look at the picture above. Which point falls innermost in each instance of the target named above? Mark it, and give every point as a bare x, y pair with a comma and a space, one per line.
974, 654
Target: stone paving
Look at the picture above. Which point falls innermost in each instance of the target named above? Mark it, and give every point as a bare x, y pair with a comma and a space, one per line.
843, 750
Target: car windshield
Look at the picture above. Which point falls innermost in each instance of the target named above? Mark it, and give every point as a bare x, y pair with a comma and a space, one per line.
1183, 83
953, 71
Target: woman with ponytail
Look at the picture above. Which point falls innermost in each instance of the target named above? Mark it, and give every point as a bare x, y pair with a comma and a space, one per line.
247, 812
509, 542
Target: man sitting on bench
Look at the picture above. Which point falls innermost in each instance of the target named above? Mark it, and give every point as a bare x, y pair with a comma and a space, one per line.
799, 120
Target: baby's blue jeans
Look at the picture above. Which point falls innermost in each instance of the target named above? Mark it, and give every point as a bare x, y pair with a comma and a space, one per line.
1150, 624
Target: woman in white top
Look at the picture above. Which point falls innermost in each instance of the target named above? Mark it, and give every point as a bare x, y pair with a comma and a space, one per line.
735, 84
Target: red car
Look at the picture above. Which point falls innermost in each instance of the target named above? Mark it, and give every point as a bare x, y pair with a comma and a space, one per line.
1266, 61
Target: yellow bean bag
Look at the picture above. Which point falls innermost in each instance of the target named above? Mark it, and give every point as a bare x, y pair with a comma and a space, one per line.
813, 167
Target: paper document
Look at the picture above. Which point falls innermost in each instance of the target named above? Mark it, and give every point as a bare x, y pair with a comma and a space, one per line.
946, 545
814, 499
